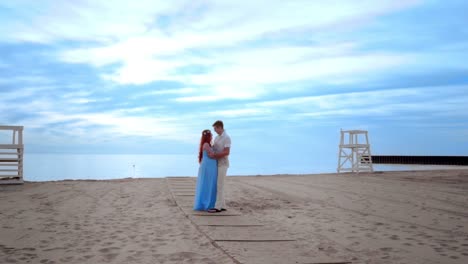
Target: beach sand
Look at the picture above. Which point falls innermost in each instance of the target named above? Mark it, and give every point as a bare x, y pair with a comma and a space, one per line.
390, 217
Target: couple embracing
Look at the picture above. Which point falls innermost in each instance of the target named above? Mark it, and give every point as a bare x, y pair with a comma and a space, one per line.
214, 163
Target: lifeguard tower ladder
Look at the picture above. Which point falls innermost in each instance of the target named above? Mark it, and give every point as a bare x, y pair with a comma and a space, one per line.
11, 157
354, 154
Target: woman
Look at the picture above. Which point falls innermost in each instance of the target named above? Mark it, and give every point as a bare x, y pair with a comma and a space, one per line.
205, 194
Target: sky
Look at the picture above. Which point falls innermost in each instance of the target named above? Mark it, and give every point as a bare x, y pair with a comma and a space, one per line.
285, 76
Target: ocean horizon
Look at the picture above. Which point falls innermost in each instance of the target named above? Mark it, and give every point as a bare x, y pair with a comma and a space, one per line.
56, 167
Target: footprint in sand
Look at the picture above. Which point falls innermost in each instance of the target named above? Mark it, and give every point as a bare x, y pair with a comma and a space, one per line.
47, 261
145, 245
386, 249
108, 249
66, 259
111, 256
82, 250
24, 259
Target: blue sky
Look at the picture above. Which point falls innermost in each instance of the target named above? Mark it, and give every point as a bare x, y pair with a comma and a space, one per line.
284, 76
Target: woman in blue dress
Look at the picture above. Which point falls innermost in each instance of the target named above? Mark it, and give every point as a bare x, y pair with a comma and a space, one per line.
205, 193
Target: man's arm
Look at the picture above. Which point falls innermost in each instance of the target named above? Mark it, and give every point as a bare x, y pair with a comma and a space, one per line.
222, 154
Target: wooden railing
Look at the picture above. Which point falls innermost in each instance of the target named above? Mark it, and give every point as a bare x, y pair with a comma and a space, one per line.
11, 157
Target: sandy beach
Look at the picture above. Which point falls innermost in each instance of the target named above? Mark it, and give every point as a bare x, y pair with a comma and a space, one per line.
390, 217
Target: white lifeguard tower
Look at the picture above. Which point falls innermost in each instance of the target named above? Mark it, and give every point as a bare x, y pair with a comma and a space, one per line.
11, 156
354, 154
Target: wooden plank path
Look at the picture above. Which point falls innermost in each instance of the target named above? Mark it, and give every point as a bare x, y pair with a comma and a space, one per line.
245, 239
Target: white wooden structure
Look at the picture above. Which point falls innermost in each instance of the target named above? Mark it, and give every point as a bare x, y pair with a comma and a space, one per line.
354, 154
11, 156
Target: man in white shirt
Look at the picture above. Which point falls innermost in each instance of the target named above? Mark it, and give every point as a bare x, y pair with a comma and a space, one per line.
221, 147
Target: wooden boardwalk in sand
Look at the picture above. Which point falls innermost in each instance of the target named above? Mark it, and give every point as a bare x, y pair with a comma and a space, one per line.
242, 238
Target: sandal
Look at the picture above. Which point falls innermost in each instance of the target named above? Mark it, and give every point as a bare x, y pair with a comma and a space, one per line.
213, 210
222, 209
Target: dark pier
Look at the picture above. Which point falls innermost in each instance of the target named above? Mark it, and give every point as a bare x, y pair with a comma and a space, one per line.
422, 160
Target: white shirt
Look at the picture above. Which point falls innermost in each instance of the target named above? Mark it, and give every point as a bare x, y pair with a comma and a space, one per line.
222, 141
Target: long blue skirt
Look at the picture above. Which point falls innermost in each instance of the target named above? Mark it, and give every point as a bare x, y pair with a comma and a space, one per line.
205, 193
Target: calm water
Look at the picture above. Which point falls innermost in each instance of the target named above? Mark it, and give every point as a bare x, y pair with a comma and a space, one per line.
50, 167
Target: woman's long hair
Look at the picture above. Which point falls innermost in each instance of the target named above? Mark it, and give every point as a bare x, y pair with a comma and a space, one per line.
205, 138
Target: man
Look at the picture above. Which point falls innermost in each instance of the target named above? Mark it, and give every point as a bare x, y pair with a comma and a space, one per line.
221, 147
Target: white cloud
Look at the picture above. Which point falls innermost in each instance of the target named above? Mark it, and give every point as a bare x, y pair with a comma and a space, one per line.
259, 70
221, 92
60, 120
239, 113
238, 52
156, 53
141, 71
178, 92
111, 124
32, 79
196, 23
103, 21
199, 98
225, 23
133, 48
416, 101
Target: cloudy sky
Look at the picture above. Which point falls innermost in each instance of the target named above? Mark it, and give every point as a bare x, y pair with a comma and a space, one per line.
148, 76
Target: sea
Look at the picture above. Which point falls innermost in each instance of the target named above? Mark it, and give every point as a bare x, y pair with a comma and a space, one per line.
55, 167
